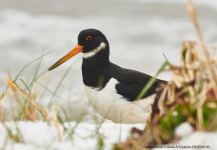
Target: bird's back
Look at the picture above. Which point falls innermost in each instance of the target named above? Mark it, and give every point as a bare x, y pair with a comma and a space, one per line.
130, 82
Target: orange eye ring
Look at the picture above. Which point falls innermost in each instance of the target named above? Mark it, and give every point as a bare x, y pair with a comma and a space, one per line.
88, 37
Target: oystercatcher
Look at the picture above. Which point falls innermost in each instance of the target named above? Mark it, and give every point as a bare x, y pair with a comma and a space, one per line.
111, 90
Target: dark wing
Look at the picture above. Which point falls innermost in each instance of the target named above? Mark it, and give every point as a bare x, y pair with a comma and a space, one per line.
132, 82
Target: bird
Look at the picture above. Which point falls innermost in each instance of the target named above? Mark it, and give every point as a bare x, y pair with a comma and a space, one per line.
111, 90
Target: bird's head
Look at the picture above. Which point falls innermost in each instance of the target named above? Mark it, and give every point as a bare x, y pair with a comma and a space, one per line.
90, 42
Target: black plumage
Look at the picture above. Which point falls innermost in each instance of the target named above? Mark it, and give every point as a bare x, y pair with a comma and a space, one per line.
130, 83
98, 70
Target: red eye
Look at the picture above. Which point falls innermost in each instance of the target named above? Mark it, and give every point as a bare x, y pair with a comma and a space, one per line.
88, 37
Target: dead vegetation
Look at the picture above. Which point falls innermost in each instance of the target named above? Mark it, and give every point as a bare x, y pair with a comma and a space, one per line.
190, 96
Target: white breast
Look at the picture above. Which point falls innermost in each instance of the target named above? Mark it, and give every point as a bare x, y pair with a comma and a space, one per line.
113, 106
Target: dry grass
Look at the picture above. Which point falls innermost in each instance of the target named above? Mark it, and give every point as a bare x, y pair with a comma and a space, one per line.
29, 107
25, 105
191, 94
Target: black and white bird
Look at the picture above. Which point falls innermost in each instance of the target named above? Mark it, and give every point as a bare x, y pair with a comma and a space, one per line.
111, 90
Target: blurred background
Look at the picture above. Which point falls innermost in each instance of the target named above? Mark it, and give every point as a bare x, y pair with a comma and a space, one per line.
138, 31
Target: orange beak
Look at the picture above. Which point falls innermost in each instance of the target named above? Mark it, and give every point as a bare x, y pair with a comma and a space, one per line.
77, 49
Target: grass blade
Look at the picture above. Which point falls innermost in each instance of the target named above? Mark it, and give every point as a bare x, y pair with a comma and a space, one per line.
4, 94
59, 84
25, 85
151, 81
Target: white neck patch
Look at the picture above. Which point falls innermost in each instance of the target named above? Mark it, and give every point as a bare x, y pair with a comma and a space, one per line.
93, 52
